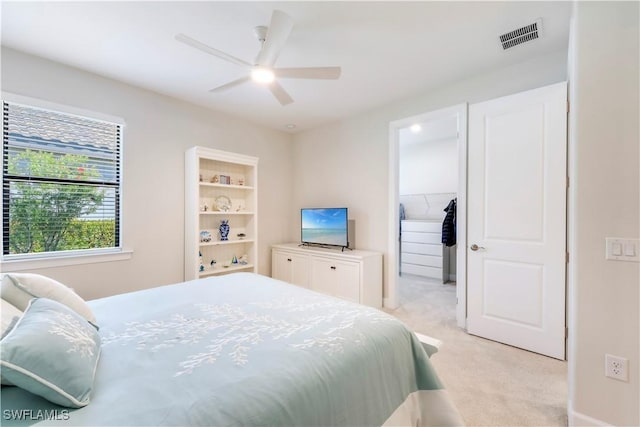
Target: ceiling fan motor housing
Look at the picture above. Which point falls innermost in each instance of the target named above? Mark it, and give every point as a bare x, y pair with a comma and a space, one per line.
272, 39
261, 33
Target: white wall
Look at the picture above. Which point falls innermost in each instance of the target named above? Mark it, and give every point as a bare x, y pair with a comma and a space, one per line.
604, 202
158, 131
346, 163
428, 167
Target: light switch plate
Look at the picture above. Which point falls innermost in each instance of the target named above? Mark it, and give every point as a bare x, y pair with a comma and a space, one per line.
622, 249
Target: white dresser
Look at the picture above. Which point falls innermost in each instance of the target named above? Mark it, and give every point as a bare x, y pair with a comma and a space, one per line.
354, 275
421, 250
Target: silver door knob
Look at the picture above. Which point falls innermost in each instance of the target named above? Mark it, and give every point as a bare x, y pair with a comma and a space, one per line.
475, 247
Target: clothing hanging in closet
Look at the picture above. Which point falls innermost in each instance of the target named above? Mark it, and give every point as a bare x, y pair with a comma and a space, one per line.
449, 224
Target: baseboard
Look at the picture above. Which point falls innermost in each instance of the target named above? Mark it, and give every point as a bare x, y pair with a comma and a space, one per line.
386, 303
576, 419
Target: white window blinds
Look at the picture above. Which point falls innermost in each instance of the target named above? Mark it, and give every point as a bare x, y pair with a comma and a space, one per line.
60, 181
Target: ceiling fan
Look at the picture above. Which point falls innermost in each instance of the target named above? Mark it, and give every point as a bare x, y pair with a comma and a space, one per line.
273, 39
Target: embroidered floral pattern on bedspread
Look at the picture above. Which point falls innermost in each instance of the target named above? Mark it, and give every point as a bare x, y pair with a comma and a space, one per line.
234, 330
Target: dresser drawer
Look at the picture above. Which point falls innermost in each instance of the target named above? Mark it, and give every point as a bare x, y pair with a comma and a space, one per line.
421, 248
426, 260
425, 226
421, 270
419, 237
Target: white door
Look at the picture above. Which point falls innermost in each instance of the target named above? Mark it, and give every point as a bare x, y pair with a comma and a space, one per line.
516, 250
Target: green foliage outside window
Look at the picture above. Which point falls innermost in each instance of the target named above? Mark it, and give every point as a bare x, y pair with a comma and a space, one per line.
47, 217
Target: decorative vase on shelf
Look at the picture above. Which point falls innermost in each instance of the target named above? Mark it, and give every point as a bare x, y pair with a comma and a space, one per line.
224, 229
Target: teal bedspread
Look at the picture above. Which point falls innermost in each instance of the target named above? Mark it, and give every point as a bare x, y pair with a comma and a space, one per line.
247, 350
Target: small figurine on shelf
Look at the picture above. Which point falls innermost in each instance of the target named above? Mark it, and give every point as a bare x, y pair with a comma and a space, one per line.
200, 177
205, 207
243, 260
241, 236
215, 179
201, 268
213, 263
224, 229
234, 260
205, 237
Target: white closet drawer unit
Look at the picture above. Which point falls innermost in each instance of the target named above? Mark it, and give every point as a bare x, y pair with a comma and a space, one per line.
422, 226
421, 237
428, 260
422, 270
421, 249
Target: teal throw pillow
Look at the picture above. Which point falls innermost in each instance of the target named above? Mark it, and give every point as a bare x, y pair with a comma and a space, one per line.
53, 352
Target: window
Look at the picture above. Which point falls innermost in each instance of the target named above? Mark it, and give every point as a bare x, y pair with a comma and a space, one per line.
60, 183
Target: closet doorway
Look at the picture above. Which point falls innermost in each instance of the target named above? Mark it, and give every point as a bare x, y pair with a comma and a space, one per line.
428, 175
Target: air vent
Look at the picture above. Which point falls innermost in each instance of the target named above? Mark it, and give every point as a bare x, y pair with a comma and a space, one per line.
521, 35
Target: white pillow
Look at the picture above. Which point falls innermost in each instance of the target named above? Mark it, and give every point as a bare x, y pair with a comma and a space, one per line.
9, 316
20, 288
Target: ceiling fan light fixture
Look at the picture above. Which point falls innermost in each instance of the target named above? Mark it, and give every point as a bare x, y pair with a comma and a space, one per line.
262, 75
261, 71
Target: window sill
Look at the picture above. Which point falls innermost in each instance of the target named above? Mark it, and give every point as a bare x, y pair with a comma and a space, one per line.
63, 261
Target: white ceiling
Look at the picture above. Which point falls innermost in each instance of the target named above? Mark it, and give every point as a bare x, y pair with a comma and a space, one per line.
387, 50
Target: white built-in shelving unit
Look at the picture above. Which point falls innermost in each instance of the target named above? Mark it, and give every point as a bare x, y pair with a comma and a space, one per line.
211, 176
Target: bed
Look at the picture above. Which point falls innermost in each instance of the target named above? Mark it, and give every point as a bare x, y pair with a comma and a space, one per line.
245, 349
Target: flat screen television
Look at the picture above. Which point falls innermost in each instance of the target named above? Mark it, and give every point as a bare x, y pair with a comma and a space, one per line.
325, 226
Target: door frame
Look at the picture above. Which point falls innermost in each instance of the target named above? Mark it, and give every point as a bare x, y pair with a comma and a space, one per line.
391, 301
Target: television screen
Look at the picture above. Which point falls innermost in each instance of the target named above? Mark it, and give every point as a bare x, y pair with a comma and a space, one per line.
325, 226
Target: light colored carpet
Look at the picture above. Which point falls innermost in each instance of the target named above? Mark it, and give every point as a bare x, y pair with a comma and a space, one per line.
492, 384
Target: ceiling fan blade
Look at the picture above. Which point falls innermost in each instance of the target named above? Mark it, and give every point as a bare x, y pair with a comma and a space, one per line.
277, 35
330, 73
230, 84
208, 49
281, 94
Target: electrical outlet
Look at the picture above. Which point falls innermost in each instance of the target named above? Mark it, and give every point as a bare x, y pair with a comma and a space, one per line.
616, 367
